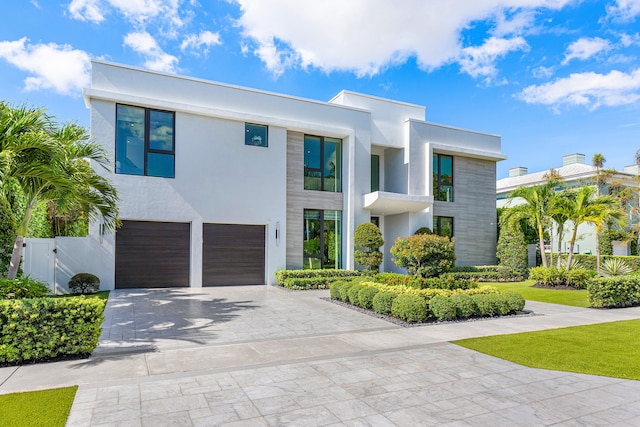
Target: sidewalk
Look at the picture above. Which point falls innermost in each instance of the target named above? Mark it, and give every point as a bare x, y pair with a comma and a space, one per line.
266, 356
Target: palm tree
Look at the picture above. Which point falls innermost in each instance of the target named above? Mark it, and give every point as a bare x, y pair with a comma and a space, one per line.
50, 163
584, 207
558, 214
598, 160
535, 210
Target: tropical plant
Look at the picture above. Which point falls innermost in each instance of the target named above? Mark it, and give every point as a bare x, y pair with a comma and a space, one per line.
368, 237
50, 163
535, 209
615, 267
511, 250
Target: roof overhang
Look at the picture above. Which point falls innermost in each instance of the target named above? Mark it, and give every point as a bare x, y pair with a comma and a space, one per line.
384, 203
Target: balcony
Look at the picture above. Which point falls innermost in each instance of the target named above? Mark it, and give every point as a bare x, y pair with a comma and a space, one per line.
382, 203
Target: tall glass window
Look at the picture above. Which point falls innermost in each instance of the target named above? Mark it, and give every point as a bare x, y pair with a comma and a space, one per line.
442, 178
322, 239
145, 142
322, 163
375, 173
443, 226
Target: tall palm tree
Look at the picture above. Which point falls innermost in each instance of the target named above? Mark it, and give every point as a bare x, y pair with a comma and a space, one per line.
583, 207
535, 209
598, 161
558, 213
50, 163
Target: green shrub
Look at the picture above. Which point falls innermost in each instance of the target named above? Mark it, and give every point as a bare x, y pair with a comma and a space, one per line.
486, 276
411, 308
84, 283
423, 230
448, 281
514, 301
344, 291
303, 283
443, 308
23, 287
366, 295
334, 289
426, 255
383, 301
552, 276
45, 328
615, 267
589, 261
579, 277
614, 291
511, 250
398, 279
464, 304
487, 304
282, 275
352, 293
368, 237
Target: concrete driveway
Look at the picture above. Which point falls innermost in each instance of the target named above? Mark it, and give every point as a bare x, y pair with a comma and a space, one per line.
259, 355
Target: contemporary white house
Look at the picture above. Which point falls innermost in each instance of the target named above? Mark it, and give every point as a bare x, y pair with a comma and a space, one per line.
224, 185
575, 173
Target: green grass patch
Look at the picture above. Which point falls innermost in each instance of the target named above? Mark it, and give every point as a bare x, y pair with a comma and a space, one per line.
577, 298
607, 349
37, 408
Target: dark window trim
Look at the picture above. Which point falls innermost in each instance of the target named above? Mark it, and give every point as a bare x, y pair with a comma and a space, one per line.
320, 256
321, 170
147, 148
439, 178
377, 184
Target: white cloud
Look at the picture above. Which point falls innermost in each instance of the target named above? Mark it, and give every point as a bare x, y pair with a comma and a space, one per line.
623, 10
202, 41
590, 90
585, 48
50, 66
365, 36
86, 10
542, 72
156, 58
479, 61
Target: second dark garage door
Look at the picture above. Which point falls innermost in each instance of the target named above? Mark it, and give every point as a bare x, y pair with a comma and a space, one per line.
233, 254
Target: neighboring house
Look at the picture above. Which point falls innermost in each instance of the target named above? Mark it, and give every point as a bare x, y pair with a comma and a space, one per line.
575, 173
222, 184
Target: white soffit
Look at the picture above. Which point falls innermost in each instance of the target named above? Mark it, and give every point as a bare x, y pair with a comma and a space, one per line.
384, 203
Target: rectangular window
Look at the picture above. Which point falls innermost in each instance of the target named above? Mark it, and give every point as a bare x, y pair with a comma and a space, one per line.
443, 226
145, 141
376, 221
256, 135
322, 163
442, 178
322, 239
375, 173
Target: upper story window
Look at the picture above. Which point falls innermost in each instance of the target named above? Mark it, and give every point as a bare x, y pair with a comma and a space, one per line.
322, 163
375, 173
442, 178
145, 141
256, 135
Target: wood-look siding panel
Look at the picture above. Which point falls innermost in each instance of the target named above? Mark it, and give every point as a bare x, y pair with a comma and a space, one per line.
152, 254
233, 254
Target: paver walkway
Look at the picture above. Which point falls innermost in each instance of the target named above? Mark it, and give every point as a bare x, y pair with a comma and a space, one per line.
261, 355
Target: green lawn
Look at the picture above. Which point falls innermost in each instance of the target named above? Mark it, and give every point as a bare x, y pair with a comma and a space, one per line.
577, 298
607, 349
37, 408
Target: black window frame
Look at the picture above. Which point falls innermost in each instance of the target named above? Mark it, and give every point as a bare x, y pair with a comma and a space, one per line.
265, 144
320, 256
322, 165
438, 181
437, 225
147, 148
375, 187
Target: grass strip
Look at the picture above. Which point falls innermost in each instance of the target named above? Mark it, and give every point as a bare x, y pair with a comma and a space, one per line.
48, 408
577, 298
607, 349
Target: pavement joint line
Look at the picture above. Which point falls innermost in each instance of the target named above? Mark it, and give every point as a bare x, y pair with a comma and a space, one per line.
10, 375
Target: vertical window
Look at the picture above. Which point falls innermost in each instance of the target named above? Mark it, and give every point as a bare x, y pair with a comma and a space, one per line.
145, 142
322, 239
375, 173
442, 178
443, 226
322, 164
375, 220
256, 135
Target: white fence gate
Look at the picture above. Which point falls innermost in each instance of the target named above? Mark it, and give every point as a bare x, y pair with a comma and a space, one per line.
40, 260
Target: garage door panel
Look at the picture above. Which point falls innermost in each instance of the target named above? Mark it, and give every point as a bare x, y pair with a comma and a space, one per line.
152, 254
233, 254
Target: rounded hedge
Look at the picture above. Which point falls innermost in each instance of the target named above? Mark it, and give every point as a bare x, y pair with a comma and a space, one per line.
411, 308
443, 307
465, 306
366, 295
383, 301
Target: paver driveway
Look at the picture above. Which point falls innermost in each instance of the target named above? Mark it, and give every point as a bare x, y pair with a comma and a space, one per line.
260, 355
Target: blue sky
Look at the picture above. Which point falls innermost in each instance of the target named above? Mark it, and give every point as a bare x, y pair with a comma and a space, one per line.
552, 77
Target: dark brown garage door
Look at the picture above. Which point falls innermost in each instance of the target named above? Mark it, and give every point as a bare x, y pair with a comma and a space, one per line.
232, 254
152, 254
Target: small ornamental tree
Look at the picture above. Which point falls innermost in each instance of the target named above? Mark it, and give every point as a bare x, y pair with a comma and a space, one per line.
84, 283
426, 255
512, 248
368, 237
423, 230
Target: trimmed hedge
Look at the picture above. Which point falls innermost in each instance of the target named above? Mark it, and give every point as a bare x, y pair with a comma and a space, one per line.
552, 276
462, 306
486, 276
614, 291
410, 307
22, 288
417, 282
589, 261
46, 328
282, 275
383, 301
